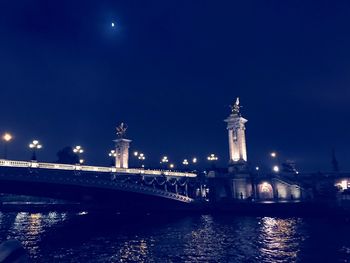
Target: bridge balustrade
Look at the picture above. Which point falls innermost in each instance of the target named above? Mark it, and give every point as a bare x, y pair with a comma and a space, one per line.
12, 163
90, 176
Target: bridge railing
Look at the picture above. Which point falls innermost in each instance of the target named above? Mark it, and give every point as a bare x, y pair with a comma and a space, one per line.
57, 166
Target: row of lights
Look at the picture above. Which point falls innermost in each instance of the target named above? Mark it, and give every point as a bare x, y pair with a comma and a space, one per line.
35, 145
275, 168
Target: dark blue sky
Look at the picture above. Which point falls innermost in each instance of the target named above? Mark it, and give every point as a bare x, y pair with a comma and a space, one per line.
170, 69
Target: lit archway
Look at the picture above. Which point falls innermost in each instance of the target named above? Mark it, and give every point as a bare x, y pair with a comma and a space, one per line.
265, 191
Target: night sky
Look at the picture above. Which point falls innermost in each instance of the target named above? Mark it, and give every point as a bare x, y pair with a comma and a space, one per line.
170, 70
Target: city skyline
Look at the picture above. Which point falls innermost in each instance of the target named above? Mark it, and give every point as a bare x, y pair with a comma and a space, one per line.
68, 78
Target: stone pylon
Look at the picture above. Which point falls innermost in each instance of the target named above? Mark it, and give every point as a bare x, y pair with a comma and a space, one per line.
236, 136
122, 148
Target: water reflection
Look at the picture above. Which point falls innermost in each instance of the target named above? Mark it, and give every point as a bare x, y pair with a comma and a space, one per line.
279, 239
62, 237
133, 250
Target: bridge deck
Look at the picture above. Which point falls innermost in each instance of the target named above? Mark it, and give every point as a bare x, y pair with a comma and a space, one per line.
87, 168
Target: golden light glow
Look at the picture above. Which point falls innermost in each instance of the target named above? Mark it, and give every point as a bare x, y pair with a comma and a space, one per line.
344, 184
265, 187
7, 137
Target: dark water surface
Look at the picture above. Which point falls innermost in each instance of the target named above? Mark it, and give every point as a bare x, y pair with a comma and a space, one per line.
73, 237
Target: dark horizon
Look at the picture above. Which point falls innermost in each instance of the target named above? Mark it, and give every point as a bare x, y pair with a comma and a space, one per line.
170, 70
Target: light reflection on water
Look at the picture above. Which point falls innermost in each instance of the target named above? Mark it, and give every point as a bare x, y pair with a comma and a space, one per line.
280, 239
63, 237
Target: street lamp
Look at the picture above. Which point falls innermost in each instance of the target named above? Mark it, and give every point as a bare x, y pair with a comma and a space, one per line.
276, 168
194, 160
112, 154
35, 145
212, 157
7, 137
164, 161
171, 166
78, 150
273, 154
141, 157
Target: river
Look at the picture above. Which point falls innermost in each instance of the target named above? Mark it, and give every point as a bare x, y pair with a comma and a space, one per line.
84, 237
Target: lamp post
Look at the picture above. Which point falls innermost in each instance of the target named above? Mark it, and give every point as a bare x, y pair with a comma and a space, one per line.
185, 163
194, 163
141, 157
112, 154
164, 161
275, 167
78, 150
7, 137
35, 145
212, 158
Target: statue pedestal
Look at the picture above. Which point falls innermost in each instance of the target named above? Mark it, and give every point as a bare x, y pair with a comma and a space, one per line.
122, 153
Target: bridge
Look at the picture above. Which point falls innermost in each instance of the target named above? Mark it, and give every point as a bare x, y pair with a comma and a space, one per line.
102, 187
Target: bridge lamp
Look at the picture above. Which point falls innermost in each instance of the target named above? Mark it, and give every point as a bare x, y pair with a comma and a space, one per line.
78, 150
275, 168
257, 168
185, 162
194, 160
273, 154
7, 137
35, 145
164, 159
171, 166
164, 162
112, 154
81, 161
212, 157
141, 156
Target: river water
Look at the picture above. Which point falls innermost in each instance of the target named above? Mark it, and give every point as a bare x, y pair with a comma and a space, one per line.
82, 237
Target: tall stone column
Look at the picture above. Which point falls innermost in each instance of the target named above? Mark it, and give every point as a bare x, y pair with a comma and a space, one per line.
236, 135
122, 153
122, 148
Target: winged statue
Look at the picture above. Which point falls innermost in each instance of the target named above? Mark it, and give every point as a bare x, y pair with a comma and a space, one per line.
121, 130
